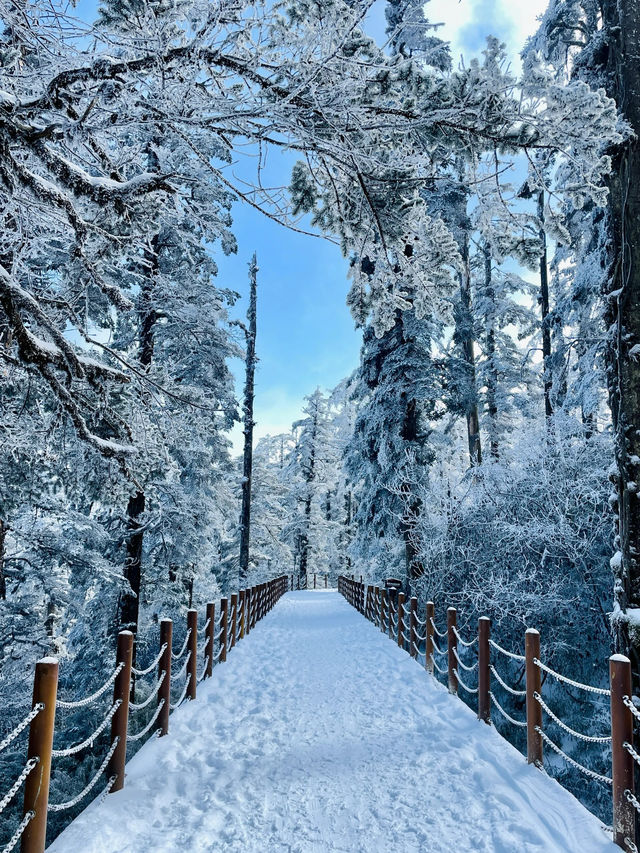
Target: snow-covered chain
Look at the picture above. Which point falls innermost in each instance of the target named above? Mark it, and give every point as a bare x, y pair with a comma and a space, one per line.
463, 665
463, 685
631, 799
502, 651
147, 728
632, 752
39, 706
438, 633
204, 671
568, 729
17, 835
463, 642
182, 695
519, 723
152, 665
591, 773
60, 807
184, 647
82, 703
504, 684
603, 691
151, 696
437, 649
629, 704
13, 790
203, 630
435, 665
178, 675
72, 750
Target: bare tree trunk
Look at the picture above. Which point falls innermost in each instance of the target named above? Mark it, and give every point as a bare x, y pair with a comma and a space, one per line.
467, 343
130, 600
3, 580
622, 19
492, 368
247, 460
544, 310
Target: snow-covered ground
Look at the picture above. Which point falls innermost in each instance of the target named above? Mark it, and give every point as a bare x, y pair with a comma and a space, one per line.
319, 734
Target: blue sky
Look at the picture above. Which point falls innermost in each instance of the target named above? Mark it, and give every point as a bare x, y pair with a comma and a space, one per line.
306, 337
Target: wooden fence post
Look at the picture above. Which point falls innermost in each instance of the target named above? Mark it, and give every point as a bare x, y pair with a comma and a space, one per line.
413, 627
192, 651
36, 791
484, 673
120, 720
428, 649
210, 636
234, 619
326, 581
624, 818
164, 665
452, 643
243, 614
314, 580
401, 619
224, 612
534, 709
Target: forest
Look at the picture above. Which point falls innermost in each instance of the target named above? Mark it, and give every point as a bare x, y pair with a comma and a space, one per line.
486, 450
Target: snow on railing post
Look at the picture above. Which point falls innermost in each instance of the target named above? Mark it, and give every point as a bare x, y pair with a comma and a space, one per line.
224, 612
164, 665
120, 720
534, 685
624, 817
484, 673
192, 666
234, 619
452, 643
36, 792
428, 650
413, 625
401, 619
210, 634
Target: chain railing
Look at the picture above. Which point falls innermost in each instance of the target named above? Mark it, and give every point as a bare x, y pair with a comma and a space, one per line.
310, 580
236, 617
472, 658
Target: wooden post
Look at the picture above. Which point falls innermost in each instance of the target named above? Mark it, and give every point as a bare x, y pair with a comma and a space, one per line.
247, 597
243, 614
192, 651
210, 635
120, 720
224, 611
413, 628
534, 709
326, 581
401, 619
624, 818
314, 580
383, 611
36, 790
428, 651
164, 665
452, 643
484, 673
234, 619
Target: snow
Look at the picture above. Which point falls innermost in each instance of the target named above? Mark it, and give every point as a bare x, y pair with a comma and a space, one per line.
320, 734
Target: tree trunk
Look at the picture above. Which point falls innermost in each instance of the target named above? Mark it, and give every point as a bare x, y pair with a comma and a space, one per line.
247, 461
492, 368
3, 580
622, 21
466, 333
544, 310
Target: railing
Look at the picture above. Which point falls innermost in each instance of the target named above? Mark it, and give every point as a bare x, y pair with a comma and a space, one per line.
460, 660
237, 616
310, 580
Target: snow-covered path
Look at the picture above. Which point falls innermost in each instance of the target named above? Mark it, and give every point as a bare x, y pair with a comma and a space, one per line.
319, 734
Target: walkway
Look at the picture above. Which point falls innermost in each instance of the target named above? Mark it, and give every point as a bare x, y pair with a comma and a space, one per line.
320, 735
